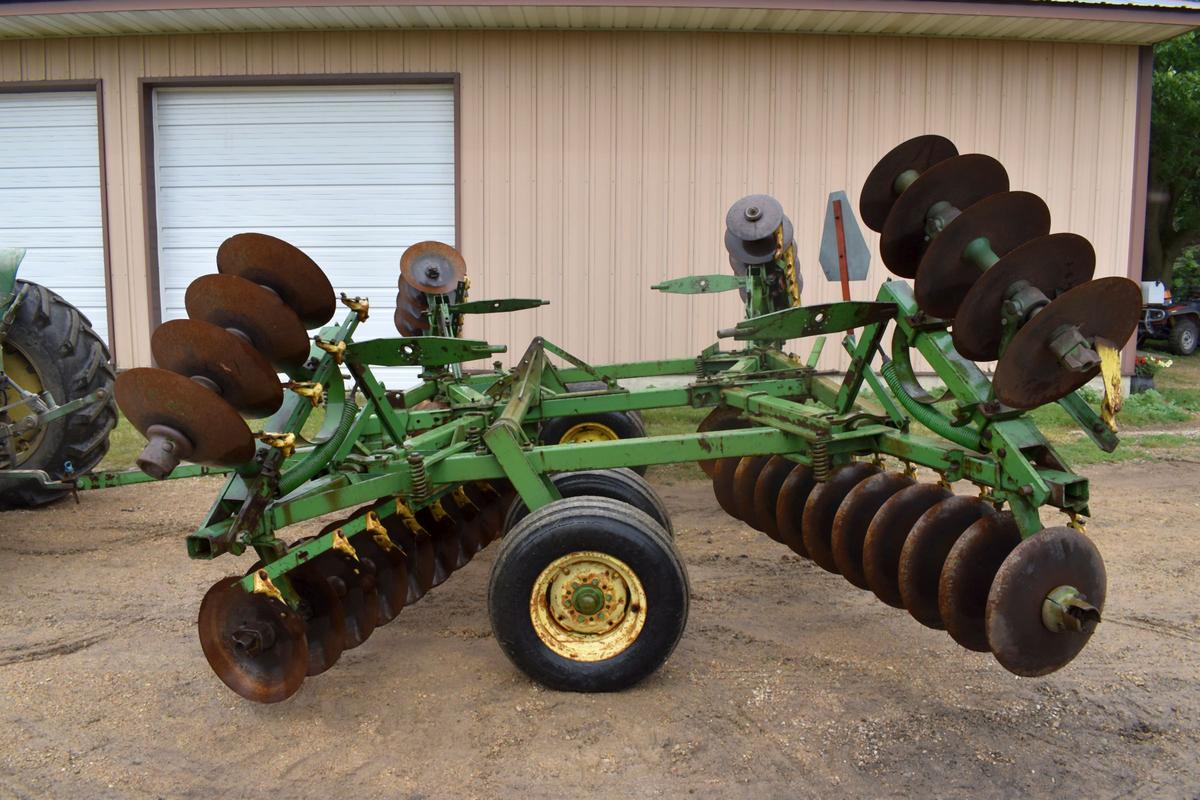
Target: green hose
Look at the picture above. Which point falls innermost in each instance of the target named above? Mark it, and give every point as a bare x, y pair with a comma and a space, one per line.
929, 416
320, 457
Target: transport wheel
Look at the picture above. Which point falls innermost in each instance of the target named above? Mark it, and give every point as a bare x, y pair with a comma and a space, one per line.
622, 485
52, 348
586, 428
588, 594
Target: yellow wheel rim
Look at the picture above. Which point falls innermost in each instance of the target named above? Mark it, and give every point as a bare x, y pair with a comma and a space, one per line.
588, 606
584, 432
20, 371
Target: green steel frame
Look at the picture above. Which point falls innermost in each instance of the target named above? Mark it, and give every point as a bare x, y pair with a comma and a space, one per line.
395, 454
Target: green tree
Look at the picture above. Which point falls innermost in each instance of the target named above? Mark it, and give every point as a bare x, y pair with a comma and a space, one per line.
1173, 200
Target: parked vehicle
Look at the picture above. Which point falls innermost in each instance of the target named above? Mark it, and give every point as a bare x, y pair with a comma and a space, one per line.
1164, 318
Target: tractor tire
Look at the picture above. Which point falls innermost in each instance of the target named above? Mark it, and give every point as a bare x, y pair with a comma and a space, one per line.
55, 344
1184, 336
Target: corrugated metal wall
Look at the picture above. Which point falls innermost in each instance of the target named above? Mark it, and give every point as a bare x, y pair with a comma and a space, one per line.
594, 164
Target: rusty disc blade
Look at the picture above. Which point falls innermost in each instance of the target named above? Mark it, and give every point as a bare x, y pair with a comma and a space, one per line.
766, 494
498, 496
789, 507
258, 314
432, 267
1006, 220
254, 643
1029, 374
853, 518
284, 269
354, 583
925, 552
1053, 263
879, 190
961, 181
1045, 561
886, 534
755, 216
384, 560
745, 477
150, 396
967, 577
446, 541
411, 310
468, 509
722, 418
822, 507
756, 251
324, 618
245, 379
419, 554
722, 482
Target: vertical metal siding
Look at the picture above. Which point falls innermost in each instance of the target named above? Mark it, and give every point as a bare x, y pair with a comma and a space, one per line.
594, 164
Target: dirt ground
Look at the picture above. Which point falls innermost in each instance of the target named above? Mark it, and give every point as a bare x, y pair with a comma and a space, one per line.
789, 682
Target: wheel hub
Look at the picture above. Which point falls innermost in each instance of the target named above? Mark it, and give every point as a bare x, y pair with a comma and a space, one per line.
588, 606
586, 432
24, 377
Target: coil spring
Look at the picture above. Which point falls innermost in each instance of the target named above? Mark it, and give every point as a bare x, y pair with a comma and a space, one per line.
819, 451
418, 476
700, 373
475, 438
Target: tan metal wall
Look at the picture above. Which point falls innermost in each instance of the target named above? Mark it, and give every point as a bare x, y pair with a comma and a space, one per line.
594, 164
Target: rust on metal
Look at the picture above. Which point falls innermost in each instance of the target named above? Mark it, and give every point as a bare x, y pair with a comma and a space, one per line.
284, 269
249, 310
822, 506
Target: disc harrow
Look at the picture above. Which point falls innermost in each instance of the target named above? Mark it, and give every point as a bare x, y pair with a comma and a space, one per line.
588, 591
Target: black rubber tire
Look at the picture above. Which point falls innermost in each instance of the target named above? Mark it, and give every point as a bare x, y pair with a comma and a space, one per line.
1184, 334
588, 523
621, 484
625, 424
72, 362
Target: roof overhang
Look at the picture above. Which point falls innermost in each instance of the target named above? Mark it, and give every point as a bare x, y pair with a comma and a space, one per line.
1045, 20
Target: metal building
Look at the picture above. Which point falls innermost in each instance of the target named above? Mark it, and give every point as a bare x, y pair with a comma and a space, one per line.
577, 151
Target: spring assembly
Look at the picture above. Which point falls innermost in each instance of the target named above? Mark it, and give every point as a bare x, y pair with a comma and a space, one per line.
820, 460
475, 437
418, 476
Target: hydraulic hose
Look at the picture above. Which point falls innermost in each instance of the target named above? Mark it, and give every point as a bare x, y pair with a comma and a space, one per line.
927, 415
322, 453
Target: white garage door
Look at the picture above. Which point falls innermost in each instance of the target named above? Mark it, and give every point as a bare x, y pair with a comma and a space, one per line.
350, 174
50, 195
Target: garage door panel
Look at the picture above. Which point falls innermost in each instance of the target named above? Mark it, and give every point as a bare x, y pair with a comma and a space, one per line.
310, 175
309, 103
301, 205
52, 147
52, 207
321, 144
351, 175
307, 237
65, 177
50, 195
